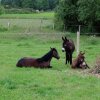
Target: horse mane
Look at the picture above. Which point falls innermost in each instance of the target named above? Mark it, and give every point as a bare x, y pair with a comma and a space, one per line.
46, 57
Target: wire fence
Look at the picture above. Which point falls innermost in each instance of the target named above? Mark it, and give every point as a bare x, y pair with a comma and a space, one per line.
83, 29
42, 25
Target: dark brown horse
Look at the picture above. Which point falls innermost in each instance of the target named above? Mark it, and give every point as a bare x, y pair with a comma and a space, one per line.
69, 47
43, 62
80, 62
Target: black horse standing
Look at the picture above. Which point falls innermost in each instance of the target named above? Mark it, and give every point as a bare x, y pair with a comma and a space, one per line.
69, 47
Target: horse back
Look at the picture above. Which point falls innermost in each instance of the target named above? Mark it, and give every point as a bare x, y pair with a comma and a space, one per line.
32, 62
26, 62
71, 45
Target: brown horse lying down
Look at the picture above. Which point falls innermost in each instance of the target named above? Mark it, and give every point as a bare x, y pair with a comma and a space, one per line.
43, 62
80, 62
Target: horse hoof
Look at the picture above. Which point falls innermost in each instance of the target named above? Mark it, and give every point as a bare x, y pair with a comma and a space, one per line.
49, 66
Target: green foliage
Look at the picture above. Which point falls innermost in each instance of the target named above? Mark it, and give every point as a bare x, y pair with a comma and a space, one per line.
66, 13
88, 10
74, 12
1, 9
35, 4
52, 4
2, 28
92, 40
11, 3
28, 3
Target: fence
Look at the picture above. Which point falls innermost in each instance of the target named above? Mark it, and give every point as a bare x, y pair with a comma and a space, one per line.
44, 24
28, 24
83, 29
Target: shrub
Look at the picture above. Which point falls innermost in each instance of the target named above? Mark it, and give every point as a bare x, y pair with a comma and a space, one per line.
93, 40
2, 29
19, 11
1, 10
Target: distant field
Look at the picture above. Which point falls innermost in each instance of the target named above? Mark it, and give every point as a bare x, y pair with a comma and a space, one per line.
48, 15
26, 37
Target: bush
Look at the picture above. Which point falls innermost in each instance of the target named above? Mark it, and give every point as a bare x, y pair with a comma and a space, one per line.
2, 29
19, 11
92, 40
59, 25
1, 10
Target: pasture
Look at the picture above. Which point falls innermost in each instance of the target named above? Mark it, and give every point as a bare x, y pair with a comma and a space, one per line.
26, 38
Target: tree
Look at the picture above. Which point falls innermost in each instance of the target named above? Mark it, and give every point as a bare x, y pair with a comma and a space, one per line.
73, 12
1, 9
52, 3
35, 4
17, 3
88, 12
66, 13
28, 3
11, 3
6, 2
41, 4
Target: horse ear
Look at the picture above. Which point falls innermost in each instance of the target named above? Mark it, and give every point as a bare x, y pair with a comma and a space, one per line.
66, 39
80, 51
83, 53
63, 39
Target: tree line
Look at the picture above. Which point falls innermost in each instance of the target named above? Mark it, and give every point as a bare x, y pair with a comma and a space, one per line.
34, 4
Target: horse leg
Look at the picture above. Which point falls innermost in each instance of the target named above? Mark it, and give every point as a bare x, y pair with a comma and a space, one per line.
49, 66
87, 65
70, 58
66, 57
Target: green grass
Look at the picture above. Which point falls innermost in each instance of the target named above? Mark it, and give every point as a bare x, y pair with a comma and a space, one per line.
25, 38
45, 15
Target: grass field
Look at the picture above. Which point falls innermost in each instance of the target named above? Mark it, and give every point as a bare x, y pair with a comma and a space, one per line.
47, 15
24, 37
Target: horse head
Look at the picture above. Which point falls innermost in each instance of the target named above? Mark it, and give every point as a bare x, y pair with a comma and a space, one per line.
81, 57
55, 53
65, 44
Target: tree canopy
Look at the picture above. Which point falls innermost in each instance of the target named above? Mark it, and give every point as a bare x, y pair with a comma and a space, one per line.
35, 4
74, 12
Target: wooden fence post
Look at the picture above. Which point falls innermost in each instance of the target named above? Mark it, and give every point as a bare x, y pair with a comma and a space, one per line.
79, 28
78, 41
41, 24
8, 25
53, 26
